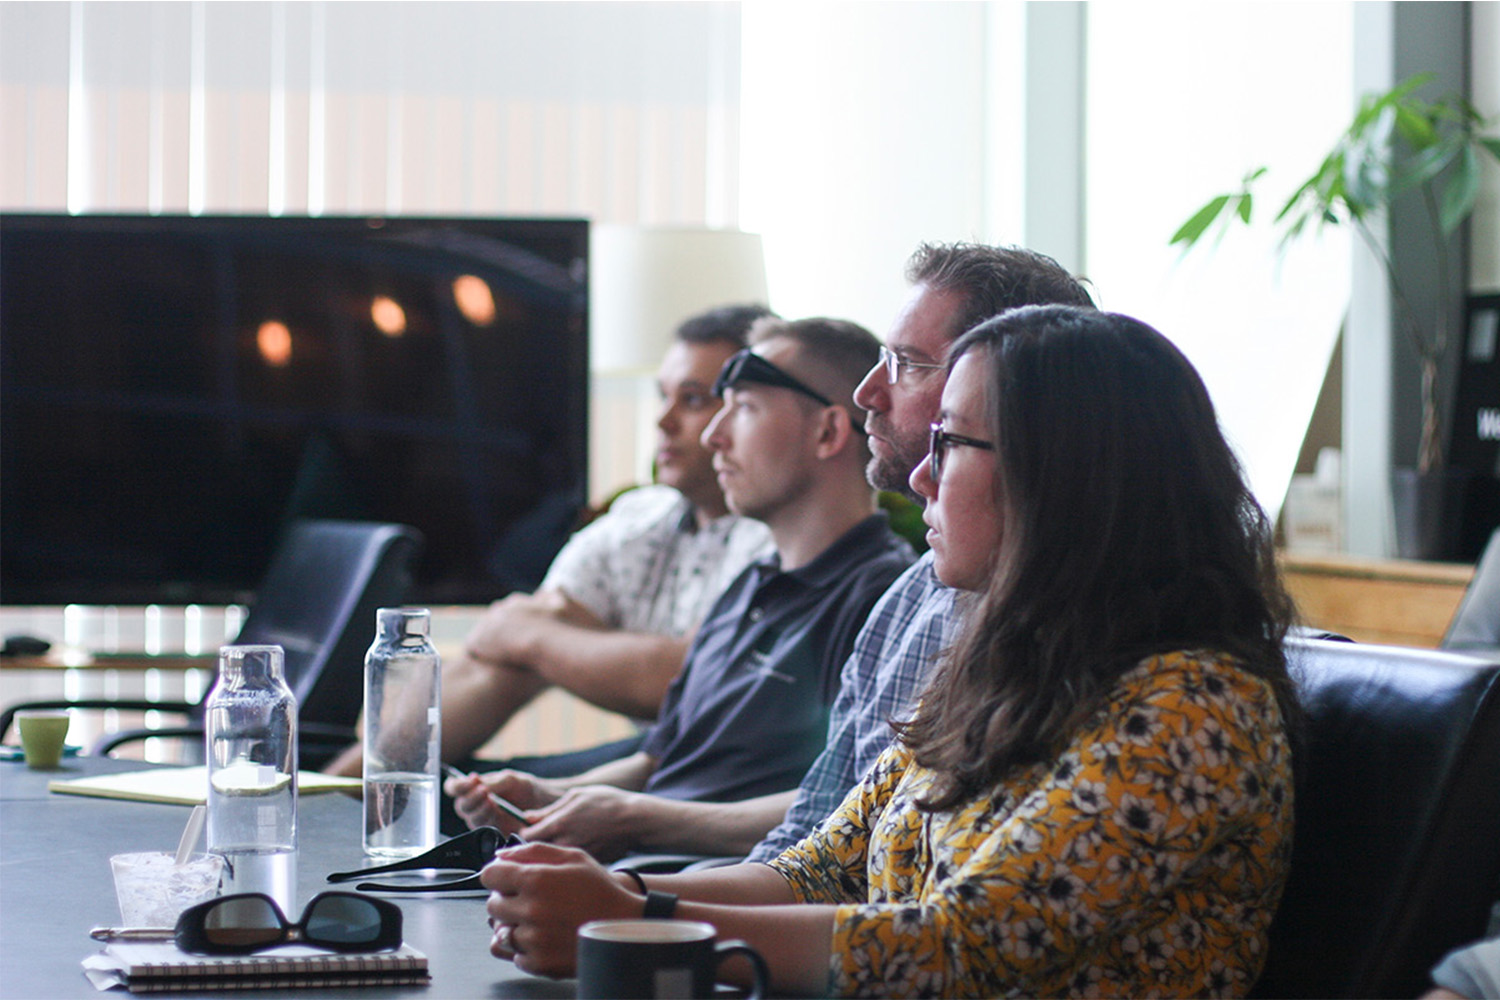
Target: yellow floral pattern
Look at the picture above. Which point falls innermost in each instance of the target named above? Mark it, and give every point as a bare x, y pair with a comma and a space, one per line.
1146, 859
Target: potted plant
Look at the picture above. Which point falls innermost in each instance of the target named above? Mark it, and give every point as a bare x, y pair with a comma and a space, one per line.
1399, 145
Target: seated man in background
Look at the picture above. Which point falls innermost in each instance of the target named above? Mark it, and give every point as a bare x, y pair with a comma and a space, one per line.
612, 620
749, 711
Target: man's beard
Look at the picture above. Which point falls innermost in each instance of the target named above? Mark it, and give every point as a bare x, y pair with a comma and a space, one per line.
893, 474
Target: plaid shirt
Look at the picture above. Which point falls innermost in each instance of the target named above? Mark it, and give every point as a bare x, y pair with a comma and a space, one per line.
880, 680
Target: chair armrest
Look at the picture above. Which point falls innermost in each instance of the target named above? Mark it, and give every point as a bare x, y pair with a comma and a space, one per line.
325, 733
91, 704
112, 741
310, 732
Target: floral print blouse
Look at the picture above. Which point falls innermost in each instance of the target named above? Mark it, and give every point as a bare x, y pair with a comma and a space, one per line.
1146, 859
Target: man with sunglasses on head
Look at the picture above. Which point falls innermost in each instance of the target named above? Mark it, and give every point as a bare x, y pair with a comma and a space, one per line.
749, 711
612, 620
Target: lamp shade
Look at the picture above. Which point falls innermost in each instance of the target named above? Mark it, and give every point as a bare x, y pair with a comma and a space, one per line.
644, 281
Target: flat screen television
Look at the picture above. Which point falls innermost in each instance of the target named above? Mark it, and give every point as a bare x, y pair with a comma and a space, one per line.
175, 390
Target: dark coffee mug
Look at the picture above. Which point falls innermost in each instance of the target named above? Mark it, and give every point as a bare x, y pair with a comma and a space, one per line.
656, 960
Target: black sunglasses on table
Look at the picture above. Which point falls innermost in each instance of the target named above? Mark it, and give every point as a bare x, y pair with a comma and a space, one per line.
747, 366
249, 922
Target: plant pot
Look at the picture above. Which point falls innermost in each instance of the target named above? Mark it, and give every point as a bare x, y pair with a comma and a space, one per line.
1429, 511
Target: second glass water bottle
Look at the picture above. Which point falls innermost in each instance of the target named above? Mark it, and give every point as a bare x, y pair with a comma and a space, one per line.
403, 736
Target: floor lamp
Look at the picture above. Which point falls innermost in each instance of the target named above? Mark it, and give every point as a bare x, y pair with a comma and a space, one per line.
643, 282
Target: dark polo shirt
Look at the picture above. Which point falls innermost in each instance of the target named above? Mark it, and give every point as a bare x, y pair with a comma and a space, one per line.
749, 712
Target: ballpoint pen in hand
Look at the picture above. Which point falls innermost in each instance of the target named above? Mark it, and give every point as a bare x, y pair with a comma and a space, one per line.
509, 808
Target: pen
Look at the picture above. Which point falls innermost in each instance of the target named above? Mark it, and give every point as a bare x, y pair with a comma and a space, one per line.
133, 934
509, 808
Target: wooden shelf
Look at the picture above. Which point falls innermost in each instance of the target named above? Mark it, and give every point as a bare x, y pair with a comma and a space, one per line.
1398, 602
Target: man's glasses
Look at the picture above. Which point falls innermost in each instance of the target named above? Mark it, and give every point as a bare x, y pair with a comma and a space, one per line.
747, 366
251, 922
895, 364
937, 448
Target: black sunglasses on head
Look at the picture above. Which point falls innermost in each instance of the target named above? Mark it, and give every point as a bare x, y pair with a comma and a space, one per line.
249, 922
747, 366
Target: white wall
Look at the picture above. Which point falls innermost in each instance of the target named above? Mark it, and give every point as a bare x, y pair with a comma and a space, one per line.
1183, 100
865, 132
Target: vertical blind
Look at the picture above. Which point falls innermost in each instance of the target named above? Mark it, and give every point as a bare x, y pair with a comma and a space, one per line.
618, 112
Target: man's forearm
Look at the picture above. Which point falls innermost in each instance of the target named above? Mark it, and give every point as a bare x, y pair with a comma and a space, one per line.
626, 672
728, 828
630, 773
479, 698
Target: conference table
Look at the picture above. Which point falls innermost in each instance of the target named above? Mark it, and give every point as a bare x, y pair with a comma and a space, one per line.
55, 885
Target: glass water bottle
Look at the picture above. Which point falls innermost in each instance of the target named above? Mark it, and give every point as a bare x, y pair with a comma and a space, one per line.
403, 736
250, 732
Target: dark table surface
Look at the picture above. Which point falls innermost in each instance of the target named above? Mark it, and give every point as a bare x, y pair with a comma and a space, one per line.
55, 885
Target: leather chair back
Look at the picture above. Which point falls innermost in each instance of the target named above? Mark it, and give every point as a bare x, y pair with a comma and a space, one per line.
317, 601
1396, 854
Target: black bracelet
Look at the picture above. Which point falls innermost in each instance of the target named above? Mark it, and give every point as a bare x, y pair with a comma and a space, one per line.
636, 876
659, 905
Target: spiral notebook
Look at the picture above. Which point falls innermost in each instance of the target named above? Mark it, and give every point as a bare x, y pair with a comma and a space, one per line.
149, 967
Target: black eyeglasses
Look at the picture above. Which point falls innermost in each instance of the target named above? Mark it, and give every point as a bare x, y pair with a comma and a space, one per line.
251, 922
938, 447
747, 366
895, 364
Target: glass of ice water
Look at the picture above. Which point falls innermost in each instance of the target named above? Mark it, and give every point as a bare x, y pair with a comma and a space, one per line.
153, 890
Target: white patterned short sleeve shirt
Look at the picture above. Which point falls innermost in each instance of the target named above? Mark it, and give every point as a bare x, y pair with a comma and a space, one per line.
646, 566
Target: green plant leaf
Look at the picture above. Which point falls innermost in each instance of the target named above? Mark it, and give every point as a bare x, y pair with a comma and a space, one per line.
1194, 228
1462, 189
1405, 87
1418, 129
1244, 207
1493, 145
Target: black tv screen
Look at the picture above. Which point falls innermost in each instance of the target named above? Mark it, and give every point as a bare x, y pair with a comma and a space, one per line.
175, 390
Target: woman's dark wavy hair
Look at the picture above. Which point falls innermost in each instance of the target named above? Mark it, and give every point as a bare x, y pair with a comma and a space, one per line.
1128, 531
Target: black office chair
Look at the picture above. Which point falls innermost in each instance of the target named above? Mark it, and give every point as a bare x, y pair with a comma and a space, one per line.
1396, 854
317, 601
1476, 623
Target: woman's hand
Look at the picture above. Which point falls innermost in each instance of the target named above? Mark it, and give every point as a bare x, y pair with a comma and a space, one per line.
540, 895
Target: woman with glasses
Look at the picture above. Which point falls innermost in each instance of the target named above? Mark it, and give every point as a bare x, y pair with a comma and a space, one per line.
1094, 796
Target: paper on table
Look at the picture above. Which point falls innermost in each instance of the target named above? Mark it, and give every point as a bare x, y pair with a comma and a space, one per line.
186, 786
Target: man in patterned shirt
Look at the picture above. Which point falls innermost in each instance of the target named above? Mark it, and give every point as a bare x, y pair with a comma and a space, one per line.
614, 616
